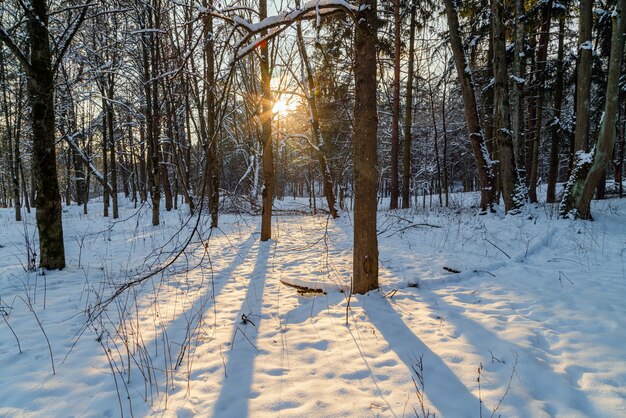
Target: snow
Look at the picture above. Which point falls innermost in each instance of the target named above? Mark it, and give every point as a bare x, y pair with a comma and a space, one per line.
536, 312
586, 45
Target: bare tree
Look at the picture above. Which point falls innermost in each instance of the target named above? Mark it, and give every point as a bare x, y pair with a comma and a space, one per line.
477, 139
40, 67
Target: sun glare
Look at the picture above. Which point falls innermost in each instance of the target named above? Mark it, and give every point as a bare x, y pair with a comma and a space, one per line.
283, 106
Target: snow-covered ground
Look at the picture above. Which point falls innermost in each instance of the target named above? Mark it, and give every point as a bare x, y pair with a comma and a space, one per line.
518, 316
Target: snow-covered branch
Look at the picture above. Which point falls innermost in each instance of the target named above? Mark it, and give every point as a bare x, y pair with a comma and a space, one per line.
71, 140
258, 32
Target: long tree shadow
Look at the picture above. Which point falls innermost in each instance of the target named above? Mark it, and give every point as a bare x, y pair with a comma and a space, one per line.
235, 392
170, 332
204, 299
533, 370
441, 385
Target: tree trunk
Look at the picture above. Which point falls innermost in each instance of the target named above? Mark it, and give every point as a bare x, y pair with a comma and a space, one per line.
151, 96
517, 120
444, 126
619, 158
583, 77
12, 143
540, 66
41, 94
556, 124
113, 159
365, 258
512, 190
266, 123
319, 146
212, 152
105, 155
589, 167
477, 139
143, 170
395, 119
408, 114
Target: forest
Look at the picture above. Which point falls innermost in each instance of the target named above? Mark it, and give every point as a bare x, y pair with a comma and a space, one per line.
312, 208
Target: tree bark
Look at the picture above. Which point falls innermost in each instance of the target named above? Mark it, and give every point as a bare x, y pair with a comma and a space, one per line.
105, 155
512, 190
540, 66
583, 77
556, 124
588, 167
266, 124
408, 114
212, 151
395, 119
152, 124
517, 120
41, 94
365, 258
484, 163
112, 148
12, 142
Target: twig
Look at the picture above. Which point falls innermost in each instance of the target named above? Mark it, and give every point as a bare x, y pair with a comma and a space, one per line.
19, 347
501, 250
508, 387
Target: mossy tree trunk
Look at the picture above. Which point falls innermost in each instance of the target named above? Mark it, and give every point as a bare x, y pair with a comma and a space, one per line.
588, 168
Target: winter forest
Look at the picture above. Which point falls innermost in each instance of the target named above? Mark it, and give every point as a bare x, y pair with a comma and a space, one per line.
312, 208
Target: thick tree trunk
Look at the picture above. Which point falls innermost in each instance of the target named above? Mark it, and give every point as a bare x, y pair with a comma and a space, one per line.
512, 190
365, 258
484, 163
269, 181
588, 168
41, 94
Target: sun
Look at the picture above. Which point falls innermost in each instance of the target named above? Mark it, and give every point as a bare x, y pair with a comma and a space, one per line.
283, 106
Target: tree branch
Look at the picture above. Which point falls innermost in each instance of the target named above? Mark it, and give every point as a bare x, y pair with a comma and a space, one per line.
78, 21
4, 36
274, 25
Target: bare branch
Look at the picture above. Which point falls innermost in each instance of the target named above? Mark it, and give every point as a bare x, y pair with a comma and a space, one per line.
76, 25
26, 65
272, 26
